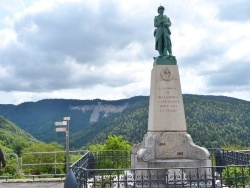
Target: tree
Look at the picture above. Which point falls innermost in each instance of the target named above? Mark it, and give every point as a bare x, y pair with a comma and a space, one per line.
43, 154
114, 153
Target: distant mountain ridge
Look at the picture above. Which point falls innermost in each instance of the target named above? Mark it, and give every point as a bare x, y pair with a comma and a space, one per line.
38, 118
212, 121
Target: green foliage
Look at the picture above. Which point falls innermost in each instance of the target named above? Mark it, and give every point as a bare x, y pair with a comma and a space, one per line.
113, 142
131, 123
117, 143
11, 169
212, 121
14, 138
215, 121
96, 147
38, 154
43, 147
234, 148
74, 157
234, 176
114, 153
4, 148
38, 118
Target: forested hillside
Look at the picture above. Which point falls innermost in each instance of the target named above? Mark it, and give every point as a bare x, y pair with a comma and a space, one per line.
215, 121
212, 121
38, 118
13, 137
131, 123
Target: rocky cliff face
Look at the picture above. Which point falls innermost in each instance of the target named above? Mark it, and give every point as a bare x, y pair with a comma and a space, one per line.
100, 109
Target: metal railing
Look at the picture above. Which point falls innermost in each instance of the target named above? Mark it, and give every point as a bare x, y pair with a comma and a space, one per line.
111, 159
38, 164
153, 177
45, 164
88, 175
112, 169
235, 157
231, 176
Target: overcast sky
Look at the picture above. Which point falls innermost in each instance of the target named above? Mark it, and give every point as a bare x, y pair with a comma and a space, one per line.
87, 49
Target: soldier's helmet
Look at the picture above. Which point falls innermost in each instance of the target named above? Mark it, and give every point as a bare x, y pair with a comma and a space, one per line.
160, 7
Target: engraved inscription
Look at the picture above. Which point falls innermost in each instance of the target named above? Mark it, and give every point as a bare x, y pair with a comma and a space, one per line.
166, 101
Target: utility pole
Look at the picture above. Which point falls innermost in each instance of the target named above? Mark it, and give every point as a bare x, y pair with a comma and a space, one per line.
63, 126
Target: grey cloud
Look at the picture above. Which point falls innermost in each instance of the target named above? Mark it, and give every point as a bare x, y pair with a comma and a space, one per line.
42, 72
234, 10
47, 79
206, 53
77, 31
45, 39
229, 77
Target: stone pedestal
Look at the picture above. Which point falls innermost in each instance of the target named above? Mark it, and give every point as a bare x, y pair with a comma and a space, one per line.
168, 149
167, 143
166, 110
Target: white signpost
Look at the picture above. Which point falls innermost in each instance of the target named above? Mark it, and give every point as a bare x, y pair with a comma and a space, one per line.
60, 123
63, 126
60, 129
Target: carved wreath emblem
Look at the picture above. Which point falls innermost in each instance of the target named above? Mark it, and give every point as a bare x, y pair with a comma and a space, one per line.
166, 74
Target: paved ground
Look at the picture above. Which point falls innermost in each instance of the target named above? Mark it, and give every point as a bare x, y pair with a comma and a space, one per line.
31, 185
40, 183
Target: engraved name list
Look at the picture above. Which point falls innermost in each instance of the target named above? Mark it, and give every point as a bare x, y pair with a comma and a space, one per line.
167, 101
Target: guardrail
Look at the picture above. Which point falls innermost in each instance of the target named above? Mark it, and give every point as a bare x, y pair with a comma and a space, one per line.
38, 164
46, 164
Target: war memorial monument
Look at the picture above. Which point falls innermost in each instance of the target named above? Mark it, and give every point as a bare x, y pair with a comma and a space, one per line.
166, 143
167, 156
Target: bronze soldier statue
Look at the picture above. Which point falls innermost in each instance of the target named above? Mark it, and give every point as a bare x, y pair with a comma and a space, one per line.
162, 34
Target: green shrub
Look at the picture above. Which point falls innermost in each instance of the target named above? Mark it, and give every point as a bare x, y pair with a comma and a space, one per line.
114, 153
236, 176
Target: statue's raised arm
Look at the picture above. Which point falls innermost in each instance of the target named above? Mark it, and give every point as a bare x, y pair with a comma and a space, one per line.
162, 34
